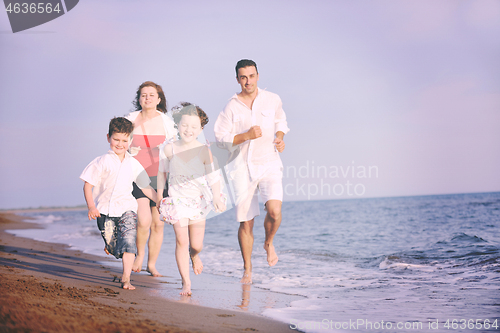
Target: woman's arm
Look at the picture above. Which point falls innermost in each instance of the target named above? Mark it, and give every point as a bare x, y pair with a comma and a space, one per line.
163, 168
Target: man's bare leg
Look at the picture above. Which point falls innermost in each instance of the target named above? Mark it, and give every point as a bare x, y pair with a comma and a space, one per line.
143, 226
271, 224
155, 241
245, 238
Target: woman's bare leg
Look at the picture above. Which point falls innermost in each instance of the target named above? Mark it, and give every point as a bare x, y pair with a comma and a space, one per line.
155, 242
143, 226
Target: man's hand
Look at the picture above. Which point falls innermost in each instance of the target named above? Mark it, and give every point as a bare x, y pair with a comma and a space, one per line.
280, 144
254, 132
219, 205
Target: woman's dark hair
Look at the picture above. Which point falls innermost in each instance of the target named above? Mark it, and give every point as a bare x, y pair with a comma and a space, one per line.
182, 110
163, 101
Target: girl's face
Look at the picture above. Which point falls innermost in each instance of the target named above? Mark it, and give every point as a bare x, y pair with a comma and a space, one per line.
149, 98
189, 128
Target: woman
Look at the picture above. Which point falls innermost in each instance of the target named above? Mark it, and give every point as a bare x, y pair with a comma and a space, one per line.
151, 127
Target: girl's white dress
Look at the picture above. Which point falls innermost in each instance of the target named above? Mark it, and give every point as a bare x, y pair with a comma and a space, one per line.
190, 195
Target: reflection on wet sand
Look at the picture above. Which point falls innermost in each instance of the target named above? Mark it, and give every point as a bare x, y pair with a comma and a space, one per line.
245, 296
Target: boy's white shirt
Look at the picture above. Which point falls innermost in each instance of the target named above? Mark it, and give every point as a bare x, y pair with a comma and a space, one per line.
112, 180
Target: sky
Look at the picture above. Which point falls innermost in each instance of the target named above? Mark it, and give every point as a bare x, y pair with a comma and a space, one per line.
383, 98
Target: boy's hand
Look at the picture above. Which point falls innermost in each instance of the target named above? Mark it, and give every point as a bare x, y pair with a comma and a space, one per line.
93, 213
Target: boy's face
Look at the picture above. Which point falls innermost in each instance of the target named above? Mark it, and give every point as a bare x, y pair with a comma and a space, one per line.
119, 142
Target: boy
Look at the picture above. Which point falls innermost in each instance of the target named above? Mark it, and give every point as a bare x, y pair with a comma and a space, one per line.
108, 193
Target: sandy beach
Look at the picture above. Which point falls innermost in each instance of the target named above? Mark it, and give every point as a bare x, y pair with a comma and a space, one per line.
48, 287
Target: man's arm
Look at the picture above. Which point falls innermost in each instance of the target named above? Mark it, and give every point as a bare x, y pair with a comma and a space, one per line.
253, 133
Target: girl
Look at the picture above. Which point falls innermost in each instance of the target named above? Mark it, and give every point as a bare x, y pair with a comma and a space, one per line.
192, 174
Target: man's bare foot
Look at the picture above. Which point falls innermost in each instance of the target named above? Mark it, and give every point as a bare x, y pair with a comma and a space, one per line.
272, 257
197, 264
127, 285
153, 272
186, 289
137, 266
247, 278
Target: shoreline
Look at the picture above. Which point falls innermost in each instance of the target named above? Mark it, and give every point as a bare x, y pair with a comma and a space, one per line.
47, 278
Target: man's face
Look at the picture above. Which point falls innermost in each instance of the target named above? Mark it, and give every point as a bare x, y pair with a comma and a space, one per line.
247, 78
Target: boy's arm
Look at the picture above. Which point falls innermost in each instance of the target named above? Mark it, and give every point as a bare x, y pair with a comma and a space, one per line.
89, 198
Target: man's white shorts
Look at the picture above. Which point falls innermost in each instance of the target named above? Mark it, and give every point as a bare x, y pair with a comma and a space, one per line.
270, 186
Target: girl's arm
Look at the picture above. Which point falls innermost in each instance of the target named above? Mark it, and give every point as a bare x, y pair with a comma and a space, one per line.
213, 180
89, 198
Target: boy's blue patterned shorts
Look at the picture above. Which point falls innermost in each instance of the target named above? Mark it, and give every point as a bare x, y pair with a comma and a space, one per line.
119, 233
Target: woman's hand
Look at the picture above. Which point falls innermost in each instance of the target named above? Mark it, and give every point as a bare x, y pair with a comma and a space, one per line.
158, 202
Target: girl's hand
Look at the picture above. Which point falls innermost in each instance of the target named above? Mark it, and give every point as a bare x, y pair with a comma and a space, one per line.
219, 206
93, 213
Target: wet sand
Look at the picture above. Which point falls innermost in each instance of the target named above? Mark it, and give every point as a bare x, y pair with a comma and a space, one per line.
48, 287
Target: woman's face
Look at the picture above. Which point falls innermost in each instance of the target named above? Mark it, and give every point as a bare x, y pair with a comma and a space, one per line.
149, 98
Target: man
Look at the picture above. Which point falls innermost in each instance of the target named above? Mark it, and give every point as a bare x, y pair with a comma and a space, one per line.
251, 127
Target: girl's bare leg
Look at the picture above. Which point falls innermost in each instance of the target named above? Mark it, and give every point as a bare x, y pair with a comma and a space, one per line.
182, 256
196, 235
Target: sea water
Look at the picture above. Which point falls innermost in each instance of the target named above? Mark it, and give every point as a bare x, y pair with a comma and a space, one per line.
406, 264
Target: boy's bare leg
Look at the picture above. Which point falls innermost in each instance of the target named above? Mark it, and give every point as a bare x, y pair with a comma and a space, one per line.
127, 262
143, 226
245, 238
196, 235
271, 224
182, 256
155, 241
